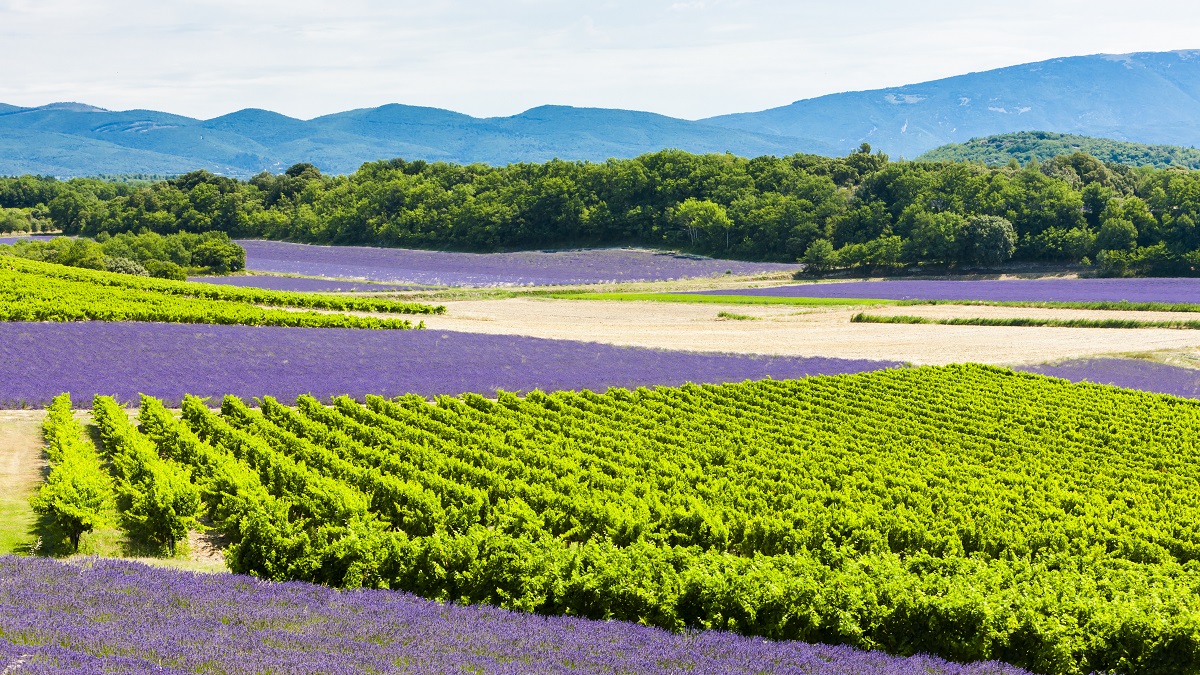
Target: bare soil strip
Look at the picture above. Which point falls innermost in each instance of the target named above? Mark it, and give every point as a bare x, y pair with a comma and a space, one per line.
795, 331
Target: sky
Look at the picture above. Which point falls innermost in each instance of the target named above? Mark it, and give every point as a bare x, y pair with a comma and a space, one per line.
684, 58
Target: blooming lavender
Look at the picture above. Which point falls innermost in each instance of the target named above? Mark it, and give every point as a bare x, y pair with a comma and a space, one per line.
22, 237
1128, 373
1019, 290
114, 616
41, 360
300, 284
536, 268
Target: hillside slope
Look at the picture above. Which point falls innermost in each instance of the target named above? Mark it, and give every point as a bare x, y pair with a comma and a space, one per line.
76, 139
1144, 97
1043, 145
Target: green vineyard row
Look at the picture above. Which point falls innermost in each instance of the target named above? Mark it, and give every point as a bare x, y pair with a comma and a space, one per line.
37, 291
966, 511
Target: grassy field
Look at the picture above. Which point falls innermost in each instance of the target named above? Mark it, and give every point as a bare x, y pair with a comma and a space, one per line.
20, 472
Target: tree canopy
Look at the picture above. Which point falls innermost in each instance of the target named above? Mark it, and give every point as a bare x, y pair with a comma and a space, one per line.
872, 211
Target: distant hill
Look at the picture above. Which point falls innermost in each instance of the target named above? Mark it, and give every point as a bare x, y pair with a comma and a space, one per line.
1149, 98
1146, 97
71, 139
1042, 145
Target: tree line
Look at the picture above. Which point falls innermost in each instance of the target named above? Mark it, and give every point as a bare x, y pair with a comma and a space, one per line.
858, 211
147, 254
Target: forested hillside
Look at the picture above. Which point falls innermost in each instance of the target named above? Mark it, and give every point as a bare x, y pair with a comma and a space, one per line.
858, 211
1027, 146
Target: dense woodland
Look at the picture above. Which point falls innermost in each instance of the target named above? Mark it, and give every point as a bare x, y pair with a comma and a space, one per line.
859, 211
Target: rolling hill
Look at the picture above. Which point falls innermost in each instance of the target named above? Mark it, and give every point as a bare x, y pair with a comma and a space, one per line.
76, 139
1144, 98
1042, 145
1149, 97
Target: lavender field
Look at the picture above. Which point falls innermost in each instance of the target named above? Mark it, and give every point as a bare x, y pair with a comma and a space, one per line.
12, 239
126, 617
41, 360
1017, 290
300, 284
1128, 373
531, 268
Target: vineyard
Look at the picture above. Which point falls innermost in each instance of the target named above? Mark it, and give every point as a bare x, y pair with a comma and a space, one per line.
37, 291
969, 512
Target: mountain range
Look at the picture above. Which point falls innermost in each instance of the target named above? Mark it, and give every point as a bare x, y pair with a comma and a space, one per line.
1149, 97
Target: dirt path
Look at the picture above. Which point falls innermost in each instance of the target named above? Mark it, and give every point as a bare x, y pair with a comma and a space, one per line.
801, 331
21, 464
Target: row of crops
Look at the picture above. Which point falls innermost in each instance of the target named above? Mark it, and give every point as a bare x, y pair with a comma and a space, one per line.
37, 291
966, 511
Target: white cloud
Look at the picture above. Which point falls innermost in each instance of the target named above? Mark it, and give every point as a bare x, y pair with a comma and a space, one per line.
689, 59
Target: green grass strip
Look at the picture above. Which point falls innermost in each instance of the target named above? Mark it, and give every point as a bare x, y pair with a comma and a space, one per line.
1119, 306
1026, 321
723, 299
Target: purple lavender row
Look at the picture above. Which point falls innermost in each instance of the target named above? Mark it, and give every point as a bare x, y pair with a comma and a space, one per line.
227, 623
300, 284
1128, 373
1020, 290
42, 360
21, 237
537, 268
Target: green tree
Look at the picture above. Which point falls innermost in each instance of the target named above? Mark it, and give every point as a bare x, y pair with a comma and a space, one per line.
987, 240
1117, 234
934, 237
819, 257
698, 216
219, 256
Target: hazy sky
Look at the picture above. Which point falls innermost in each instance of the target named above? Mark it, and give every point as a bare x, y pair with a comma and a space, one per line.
686, 58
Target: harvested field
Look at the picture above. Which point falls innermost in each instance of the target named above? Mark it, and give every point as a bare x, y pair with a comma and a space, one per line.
823, 332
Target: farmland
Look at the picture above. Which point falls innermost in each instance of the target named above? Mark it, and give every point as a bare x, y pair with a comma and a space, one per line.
812, 330
745, 507
106, 616
42, 360
533, 268
752, 477
299, 284
1137, 374
1054, 290
36, 291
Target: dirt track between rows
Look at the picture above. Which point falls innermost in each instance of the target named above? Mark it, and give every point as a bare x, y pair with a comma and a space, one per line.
806, 331
20, 451
21, 465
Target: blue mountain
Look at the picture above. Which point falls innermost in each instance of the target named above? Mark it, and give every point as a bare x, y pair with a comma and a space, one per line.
75, 139
1146, 98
